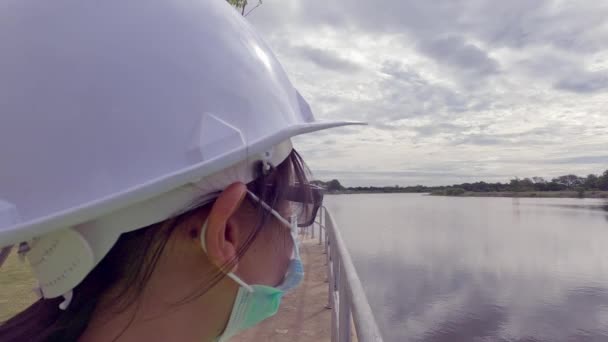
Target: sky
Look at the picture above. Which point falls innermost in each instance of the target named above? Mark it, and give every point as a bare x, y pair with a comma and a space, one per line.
453, 90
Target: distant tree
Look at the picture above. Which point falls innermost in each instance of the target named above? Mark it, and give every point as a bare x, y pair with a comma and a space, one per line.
539, 180
591, 182
334, 185
602, 182
514, 184
242, 4
554, 186
527, 184
517, 184
540, 184
569, 181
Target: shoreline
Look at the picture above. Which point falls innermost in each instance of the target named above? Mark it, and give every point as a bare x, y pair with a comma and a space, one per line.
532, 194
511, 194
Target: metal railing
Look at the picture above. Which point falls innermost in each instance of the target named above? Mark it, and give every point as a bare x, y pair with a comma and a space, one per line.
346, 297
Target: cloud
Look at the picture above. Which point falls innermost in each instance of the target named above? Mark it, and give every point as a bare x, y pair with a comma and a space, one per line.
384, 178
602, 160
455, 52
482, 140
517, 24
325, 58
584, 82
439, 128
482, 88
401, 72
564, 72
545, 135
406, 93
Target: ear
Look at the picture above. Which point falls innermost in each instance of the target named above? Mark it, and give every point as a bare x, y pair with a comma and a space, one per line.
221, 236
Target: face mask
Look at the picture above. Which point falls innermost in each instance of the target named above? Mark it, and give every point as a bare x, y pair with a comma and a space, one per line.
255, 303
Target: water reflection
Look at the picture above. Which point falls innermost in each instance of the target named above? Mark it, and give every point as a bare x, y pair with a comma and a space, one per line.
446, 269
445, 305
600, 205
574, 206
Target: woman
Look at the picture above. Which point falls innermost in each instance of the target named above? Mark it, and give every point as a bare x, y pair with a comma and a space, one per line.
148, 175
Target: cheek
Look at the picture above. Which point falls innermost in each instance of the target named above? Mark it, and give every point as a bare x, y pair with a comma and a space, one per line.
266, 261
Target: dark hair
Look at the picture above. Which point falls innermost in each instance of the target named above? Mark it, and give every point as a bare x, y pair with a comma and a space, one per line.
131, 262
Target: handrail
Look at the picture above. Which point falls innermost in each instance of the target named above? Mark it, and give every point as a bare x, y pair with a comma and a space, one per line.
346, 297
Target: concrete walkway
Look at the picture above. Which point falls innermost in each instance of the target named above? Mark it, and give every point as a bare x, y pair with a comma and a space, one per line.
303, 316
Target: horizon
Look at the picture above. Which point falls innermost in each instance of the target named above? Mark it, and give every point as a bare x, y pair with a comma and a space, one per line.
451, 91
471, 180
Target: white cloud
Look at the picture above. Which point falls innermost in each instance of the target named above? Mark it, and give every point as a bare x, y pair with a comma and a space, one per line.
453, 91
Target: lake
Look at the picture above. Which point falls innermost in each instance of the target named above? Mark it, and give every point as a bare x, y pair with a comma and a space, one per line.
480, 269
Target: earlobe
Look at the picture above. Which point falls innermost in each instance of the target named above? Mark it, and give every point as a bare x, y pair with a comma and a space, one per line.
221, 238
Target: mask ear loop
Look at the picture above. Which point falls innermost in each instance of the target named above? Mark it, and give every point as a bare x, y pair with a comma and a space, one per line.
293, 226
274, 213
230, 275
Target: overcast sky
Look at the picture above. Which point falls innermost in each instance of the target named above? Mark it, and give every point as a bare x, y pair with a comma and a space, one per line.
454, 91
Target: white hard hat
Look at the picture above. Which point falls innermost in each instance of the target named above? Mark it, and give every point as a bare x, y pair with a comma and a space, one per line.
115, 114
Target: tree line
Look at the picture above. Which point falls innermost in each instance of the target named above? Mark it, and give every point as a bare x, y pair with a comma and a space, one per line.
568, 182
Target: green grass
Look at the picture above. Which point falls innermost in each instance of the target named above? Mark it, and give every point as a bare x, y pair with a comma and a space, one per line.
16, 284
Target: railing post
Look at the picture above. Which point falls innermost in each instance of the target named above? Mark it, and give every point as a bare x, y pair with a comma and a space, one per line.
330, 285
320, 235
344, 311
326, 245
335, 326
324, 222
320, 225
330, 269
331, 274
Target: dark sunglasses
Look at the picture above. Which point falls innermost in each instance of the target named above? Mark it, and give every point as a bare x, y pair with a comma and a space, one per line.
304, 201
307, 199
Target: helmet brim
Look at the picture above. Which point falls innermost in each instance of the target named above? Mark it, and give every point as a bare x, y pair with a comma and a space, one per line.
24, 231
